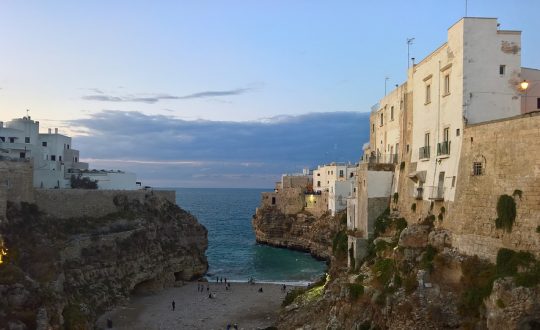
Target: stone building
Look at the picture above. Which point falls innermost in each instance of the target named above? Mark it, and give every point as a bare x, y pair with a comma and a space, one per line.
461, 131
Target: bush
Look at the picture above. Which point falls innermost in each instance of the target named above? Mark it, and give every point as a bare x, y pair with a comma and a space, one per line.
508, 261
384, 270
429, 220
427, 258
339, 244
518, 193
351, 258
381, 223
291, 296
506, 213
78, 182
395, 197
477, 280
400, 224
355, 291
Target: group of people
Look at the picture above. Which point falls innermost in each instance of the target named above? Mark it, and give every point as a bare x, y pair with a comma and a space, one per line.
234, 326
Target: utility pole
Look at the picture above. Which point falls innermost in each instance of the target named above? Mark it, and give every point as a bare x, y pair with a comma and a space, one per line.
409, 43
465, 8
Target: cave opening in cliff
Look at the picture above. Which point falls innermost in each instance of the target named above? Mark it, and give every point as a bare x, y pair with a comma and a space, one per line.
145, 288
178, 276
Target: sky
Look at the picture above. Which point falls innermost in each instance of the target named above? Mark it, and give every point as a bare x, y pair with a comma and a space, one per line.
221, 93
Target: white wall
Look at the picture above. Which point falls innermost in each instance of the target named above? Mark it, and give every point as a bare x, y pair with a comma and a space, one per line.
113, 180
379, 183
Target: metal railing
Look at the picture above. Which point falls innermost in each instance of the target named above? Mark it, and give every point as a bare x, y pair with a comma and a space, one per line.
423, 152
381, 159
443, 148
434, 192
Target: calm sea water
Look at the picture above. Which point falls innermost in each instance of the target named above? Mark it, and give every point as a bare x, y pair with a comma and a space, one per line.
232, 250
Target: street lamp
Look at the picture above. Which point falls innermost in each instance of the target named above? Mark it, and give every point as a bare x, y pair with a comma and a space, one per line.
524, 85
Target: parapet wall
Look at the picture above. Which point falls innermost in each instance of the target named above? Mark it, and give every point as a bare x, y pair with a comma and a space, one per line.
73, 203
509, 152
16, 177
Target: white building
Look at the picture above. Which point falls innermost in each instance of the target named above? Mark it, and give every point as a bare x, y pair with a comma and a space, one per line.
54, 159
338, 180
472, 78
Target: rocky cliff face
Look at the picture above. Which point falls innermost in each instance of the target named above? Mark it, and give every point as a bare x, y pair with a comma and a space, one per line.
68, 271
301, 231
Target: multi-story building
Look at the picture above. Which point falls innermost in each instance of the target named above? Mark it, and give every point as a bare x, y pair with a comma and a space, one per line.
54, 159
337, 179
474, 78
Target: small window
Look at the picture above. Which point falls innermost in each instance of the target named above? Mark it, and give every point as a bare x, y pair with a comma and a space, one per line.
318, 174
59, 158
382, 119
372, 128
68, 146
11, 140
538, 103
22, 155
341, 173
273, 201
27, 139
2, 138
352, 174
428, 94
392, 113
447, 84
477, 168
407, 148
318, 183
44, 144
502, 69
446, 134
53, 157
457, 132
453, 181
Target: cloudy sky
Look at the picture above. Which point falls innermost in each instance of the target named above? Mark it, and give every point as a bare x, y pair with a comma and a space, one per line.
221, 93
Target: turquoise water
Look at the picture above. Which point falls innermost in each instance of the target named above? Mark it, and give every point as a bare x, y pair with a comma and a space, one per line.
232, 250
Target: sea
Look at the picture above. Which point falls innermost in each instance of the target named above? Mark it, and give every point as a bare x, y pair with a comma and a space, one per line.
232, 250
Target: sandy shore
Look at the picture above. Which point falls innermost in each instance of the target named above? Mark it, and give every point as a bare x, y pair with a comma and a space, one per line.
242, 304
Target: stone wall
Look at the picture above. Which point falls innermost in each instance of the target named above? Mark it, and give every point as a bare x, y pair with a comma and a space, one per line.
317, 204
16, 178
287, 201
3, 202
509, 152
72, 203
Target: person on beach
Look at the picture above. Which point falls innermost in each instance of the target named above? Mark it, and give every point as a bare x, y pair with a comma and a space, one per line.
260, 289
173, 305
235, 326
208, 289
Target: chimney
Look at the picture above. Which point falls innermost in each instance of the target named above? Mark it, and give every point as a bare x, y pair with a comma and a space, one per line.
49, 131
56, 131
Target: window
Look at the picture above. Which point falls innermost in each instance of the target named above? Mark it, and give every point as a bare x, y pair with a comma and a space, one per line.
2, 138
59, 158
502, 69
392, 113
352, 174
273, 201
428, 94
44, 143
447, 84
477, 168
426, 140
446, 133
453, 181
11, 140
318, 183
457, 132
407, 148
22, 155
382, 119
538, 103
27, 139
318, 174
372, 128
340, 173
67, 146
53, 157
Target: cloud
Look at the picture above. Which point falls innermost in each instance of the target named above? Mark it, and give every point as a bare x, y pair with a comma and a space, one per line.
160, 147
151, 98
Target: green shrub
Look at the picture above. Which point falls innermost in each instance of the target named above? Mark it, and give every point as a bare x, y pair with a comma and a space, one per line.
427, 258
78, 182
508, 261
400, 224
366, 325
291, 296
429, 220
440, 217
410, 283
384, 270
477, 280
506, 213
518, 193
395, 197
500, 303
343, 218
339, 244
381, 223
351, 258
355, 291
443, 210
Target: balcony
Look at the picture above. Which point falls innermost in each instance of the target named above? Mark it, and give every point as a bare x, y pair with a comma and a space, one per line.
435, 193
383, 159
423, 152
443, 148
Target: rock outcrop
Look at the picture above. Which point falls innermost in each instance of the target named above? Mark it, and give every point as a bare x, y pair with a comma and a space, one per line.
302, 231
66, 272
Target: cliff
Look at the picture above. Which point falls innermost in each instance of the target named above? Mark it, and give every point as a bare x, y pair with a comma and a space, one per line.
64, 272
413, 279
302, 231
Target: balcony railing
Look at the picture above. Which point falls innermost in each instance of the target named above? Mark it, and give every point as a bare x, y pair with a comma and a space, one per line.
434, 192
423, 153
443, 148
382, 159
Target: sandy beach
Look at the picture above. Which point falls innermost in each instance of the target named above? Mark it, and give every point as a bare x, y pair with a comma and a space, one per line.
242, 304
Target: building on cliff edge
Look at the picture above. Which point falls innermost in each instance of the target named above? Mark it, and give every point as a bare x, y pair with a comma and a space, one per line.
462, 131
53, 159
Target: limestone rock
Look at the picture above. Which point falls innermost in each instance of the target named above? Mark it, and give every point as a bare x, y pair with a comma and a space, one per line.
414, 236
440, 238
513, 307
